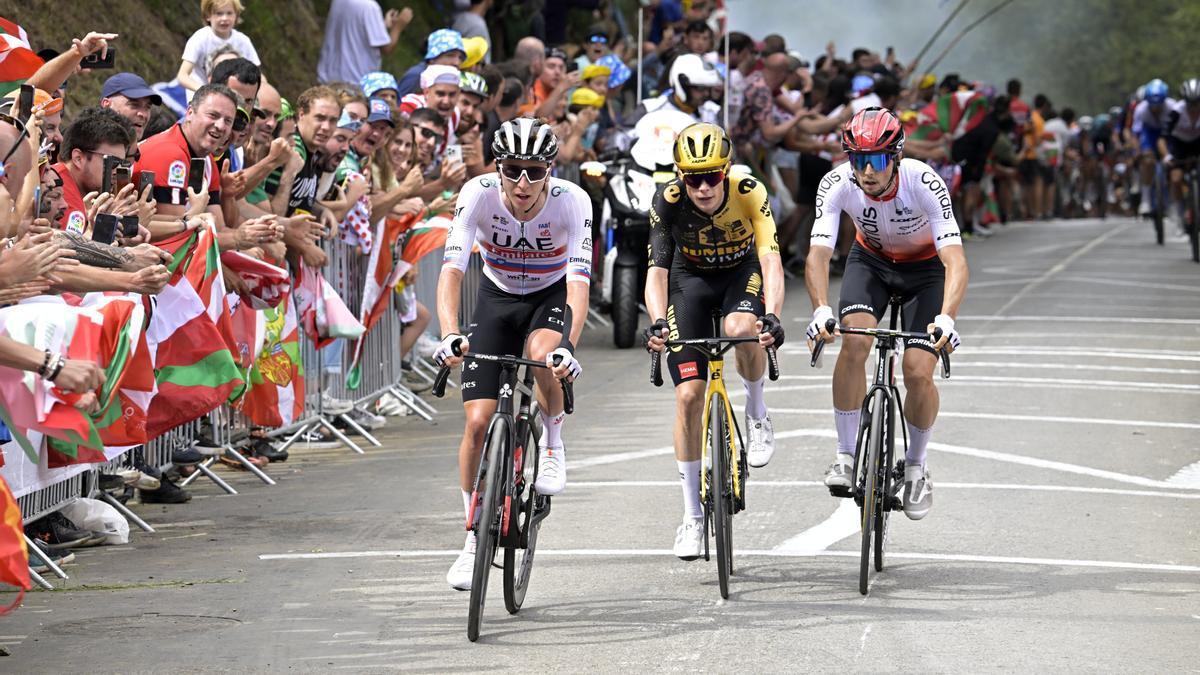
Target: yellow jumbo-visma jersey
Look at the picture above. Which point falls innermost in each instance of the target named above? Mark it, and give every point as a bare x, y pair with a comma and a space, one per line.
718, 242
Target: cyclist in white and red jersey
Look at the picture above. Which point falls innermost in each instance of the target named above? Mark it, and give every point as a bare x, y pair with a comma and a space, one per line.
1180, 142
534, 237
908, 245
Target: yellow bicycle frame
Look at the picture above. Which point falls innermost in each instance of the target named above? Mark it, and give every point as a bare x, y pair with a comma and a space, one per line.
716, 387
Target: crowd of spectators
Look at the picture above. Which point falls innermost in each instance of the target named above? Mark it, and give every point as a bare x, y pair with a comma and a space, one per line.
294, 177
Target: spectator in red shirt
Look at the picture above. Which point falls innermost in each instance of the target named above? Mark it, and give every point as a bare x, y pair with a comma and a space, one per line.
95, 134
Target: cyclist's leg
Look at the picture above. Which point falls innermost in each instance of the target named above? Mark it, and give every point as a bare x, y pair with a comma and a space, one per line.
689, 315
544, 321
864, 298
924, 284
742, 305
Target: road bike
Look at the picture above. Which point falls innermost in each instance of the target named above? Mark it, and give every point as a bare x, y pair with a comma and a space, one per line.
1191, 183
878, 476
510, 511
723, 484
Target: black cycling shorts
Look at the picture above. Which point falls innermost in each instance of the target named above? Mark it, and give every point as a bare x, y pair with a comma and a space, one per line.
812, 169
694, 297
501, 324
1183, 149
972, 149
869, 282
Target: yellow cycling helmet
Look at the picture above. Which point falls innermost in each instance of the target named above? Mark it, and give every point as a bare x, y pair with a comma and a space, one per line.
702, 147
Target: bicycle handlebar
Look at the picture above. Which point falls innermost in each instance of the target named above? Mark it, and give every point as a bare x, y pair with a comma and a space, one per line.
656, 357
439, 382
831, 326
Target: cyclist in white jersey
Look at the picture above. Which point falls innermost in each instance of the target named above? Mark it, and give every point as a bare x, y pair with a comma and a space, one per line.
534, 237
1180, 142
907, 245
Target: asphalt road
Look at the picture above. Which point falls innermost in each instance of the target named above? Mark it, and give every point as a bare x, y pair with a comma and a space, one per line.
1064, 533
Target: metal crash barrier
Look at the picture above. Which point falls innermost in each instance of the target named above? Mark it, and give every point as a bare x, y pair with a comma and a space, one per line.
41, 491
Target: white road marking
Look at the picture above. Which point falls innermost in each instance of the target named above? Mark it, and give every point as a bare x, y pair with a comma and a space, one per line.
1060, 266
751, 553
620, 457
756, 484
1029, 383
964, 363
1134, 284
843, 522
1021, 418
942, 447
1188, 476
1051, 320
1057, 352
862, 641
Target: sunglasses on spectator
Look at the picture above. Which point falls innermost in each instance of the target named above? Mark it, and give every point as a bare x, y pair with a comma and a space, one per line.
709, 178
598, 40
431, 134
876, 160
9, 119
533, 174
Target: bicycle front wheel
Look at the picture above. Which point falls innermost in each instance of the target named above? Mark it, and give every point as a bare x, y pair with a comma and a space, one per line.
487, 530
722, 490
1159, 206
1193, 224
518, 562
886, 482
872, 442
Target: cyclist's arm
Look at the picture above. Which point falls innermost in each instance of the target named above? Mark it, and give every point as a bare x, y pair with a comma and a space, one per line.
662, 249
816, 274
955, 261
579, 265
766, 239
456, 255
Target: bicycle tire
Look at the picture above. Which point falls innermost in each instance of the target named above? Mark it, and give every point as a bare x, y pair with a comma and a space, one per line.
1194, 224
487, 529
518, 563
1158, 207
722, 491
870, 463
884, 511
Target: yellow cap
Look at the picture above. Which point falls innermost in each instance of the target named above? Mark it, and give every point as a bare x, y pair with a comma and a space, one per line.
595, 70
585, 96
927, 81
476, 48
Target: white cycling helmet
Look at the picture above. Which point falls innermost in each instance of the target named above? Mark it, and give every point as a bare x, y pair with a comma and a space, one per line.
525, 138
690, 70
1190, 90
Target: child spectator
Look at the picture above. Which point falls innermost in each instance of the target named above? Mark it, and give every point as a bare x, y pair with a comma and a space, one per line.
220, 16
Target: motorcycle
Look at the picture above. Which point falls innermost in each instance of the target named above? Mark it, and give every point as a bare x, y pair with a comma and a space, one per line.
628, 184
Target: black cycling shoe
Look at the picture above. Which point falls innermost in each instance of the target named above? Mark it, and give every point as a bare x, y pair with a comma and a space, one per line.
167, 493
263, 448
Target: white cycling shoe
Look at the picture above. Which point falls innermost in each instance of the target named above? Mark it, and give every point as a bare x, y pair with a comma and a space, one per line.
461, 572
761, 441
552, 471
840, 473
689, 539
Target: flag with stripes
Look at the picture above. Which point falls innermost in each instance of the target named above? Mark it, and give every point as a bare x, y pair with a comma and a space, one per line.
18, 62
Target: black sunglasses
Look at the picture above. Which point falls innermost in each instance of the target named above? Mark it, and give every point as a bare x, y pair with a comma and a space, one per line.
709, 178
429, 133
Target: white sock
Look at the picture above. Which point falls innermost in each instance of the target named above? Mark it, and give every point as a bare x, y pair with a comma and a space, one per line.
756, 407
552, 429
846, 422
466, 503
918, 441
689, 479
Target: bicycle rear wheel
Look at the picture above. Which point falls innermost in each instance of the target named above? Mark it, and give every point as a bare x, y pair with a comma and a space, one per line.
518, 562
487, 530
873, 443
722, 490
1193, 224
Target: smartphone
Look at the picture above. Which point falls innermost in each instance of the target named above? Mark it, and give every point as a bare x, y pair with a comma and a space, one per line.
454, 152
110, 166
37, 202
122, 176
144, 178
25, 103
104, 228
196, 174
95, 62
129, 226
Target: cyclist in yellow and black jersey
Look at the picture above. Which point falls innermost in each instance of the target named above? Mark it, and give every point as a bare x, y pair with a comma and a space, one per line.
712, 247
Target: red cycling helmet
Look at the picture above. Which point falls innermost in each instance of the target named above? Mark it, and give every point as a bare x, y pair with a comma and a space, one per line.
873, 130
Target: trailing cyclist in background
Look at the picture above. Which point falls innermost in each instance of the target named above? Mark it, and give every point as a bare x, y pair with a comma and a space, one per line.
713, 247
908, 245
1179, 145
534, 236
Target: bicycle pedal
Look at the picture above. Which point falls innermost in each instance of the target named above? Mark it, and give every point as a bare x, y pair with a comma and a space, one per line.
841, 492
